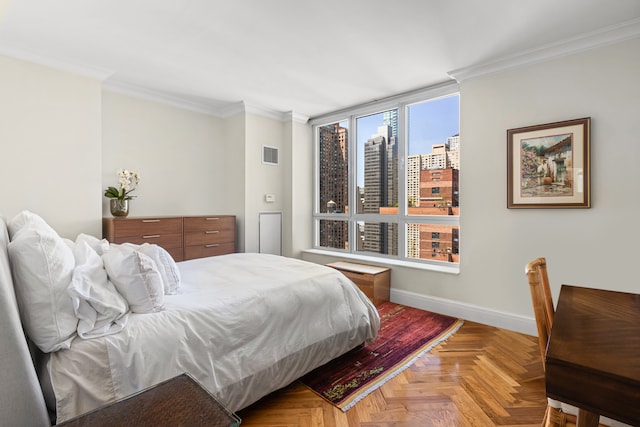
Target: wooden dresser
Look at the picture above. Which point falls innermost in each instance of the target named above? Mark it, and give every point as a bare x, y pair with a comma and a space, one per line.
184, 238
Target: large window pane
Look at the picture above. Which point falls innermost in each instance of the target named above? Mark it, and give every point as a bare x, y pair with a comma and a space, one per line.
378, 237
433, 161
334, 234
434, 242
388, 181
377, 161
333, 168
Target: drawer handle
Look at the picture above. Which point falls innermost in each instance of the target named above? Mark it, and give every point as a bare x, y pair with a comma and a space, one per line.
211, 219
212, 245
150, 220
151, 236
211, 232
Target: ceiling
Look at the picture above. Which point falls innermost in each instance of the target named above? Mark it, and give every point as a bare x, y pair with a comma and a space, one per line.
305, 57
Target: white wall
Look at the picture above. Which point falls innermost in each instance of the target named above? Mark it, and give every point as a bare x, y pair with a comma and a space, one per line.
234, 173
179, 154
63, 137
261, 178
591, 247
50, 140
298, 185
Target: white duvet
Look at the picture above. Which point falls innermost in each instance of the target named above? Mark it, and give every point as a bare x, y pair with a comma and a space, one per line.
243, 325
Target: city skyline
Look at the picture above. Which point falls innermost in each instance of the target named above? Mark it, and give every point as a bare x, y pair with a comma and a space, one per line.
429, 123
431, 181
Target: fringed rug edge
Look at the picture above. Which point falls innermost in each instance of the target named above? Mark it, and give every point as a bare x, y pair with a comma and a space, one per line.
350, 402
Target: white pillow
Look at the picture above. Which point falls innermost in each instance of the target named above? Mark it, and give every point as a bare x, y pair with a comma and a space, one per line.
24, 219
136, 276
100, 309
100, 246
42, 266
166, 264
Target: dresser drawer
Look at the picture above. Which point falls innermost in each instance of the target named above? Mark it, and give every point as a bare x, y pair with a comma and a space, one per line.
193, 238
212, 249
171, 242
209, 229
138, 227
209, 223
164, 232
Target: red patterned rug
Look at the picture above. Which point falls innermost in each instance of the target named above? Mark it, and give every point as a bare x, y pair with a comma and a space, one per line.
405, 334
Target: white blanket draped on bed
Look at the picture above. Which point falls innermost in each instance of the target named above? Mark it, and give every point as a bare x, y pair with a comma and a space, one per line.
243, 325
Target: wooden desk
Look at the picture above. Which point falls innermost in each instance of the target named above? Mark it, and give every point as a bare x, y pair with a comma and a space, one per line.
593, 355
180, 401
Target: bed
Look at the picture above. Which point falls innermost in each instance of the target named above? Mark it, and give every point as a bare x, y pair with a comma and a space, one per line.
243, 325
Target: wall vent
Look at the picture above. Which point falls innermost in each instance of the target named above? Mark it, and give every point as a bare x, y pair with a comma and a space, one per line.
269, 155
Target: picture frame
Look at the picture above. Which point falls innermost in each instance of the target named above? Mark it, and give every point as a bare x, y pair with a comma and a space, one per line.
548, 165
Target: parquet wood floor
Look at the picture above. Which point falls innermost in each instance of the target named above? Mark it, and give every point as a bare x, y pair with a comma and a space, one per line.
481, 376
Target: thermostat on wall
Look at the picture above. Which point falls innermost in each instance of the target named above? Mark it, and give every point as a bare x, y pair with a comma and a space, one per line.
270, 198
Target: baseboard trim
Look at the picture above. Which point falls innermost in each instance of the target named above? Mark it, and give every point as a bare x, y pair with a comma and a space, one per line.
474, 313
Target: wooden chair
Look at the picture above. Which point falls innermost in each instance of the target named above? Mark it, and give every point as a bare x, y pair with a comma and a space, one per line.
558, 413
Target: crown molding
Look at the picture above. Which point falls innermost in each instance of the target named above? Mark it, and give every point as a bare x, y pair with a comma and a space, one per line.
259, 110
605, 36
288, 116
109, 83
296, 117
224, 111
137, 91
96, 73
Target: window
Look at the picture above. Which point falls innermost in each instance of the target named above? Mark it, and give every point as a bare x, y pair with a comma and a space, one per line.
387, 179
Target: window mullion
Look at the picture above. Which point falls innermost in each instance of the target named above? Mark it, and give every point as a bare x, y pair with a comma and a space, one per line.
402, 181
353, 193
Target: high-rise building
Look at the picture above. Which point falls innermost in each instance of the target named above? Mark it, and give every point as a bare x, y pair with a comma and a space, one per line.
381, 189
437, 179
453, 160
334, 184
413, 180
437, 159
390, 118
439, 187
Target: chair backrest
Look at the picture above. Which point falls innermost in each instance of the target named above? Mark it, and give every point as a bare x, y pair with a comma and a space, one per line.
543, 308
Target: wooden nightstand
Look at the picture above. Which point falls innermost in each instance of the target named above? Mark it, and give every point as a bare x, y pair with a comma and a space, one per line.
374, 282
180, 401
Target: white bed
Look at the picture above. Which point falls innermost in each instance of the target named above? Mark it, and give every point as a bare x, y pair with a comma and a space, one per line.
244, 325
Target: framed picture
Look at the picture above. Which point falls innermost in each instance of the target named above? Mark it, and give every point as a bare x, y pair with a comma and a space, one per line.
548, 165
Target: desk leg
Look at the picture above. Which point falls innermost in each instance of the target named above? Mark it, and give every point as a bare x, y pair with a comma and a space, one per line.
587, 419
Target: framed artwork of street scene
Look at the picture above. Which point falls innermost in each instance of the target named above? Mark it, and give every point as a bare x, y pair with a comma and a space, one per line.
548, 165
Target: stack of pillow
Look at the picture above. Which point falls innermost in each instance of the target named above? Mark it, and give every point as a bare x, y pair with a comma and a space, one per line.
86, 288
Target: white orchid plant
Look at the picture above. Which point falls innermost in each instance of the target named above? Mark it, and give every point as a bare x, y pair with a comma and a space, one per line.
127, 182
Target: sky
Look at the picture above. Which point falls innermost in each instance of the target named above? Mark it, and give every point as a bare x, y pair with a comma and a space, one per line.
430, 122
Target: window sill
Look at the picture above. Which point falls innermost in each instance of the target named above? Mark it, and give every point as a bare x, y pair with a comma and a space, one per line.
387, 262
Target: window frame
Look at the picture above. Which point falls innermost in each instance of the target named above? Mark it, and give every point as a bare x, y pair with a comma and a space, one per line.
402, 218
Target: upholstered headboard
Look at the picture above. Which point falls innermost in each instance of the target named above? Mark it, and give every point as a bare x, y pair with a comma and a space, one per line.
21, 399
